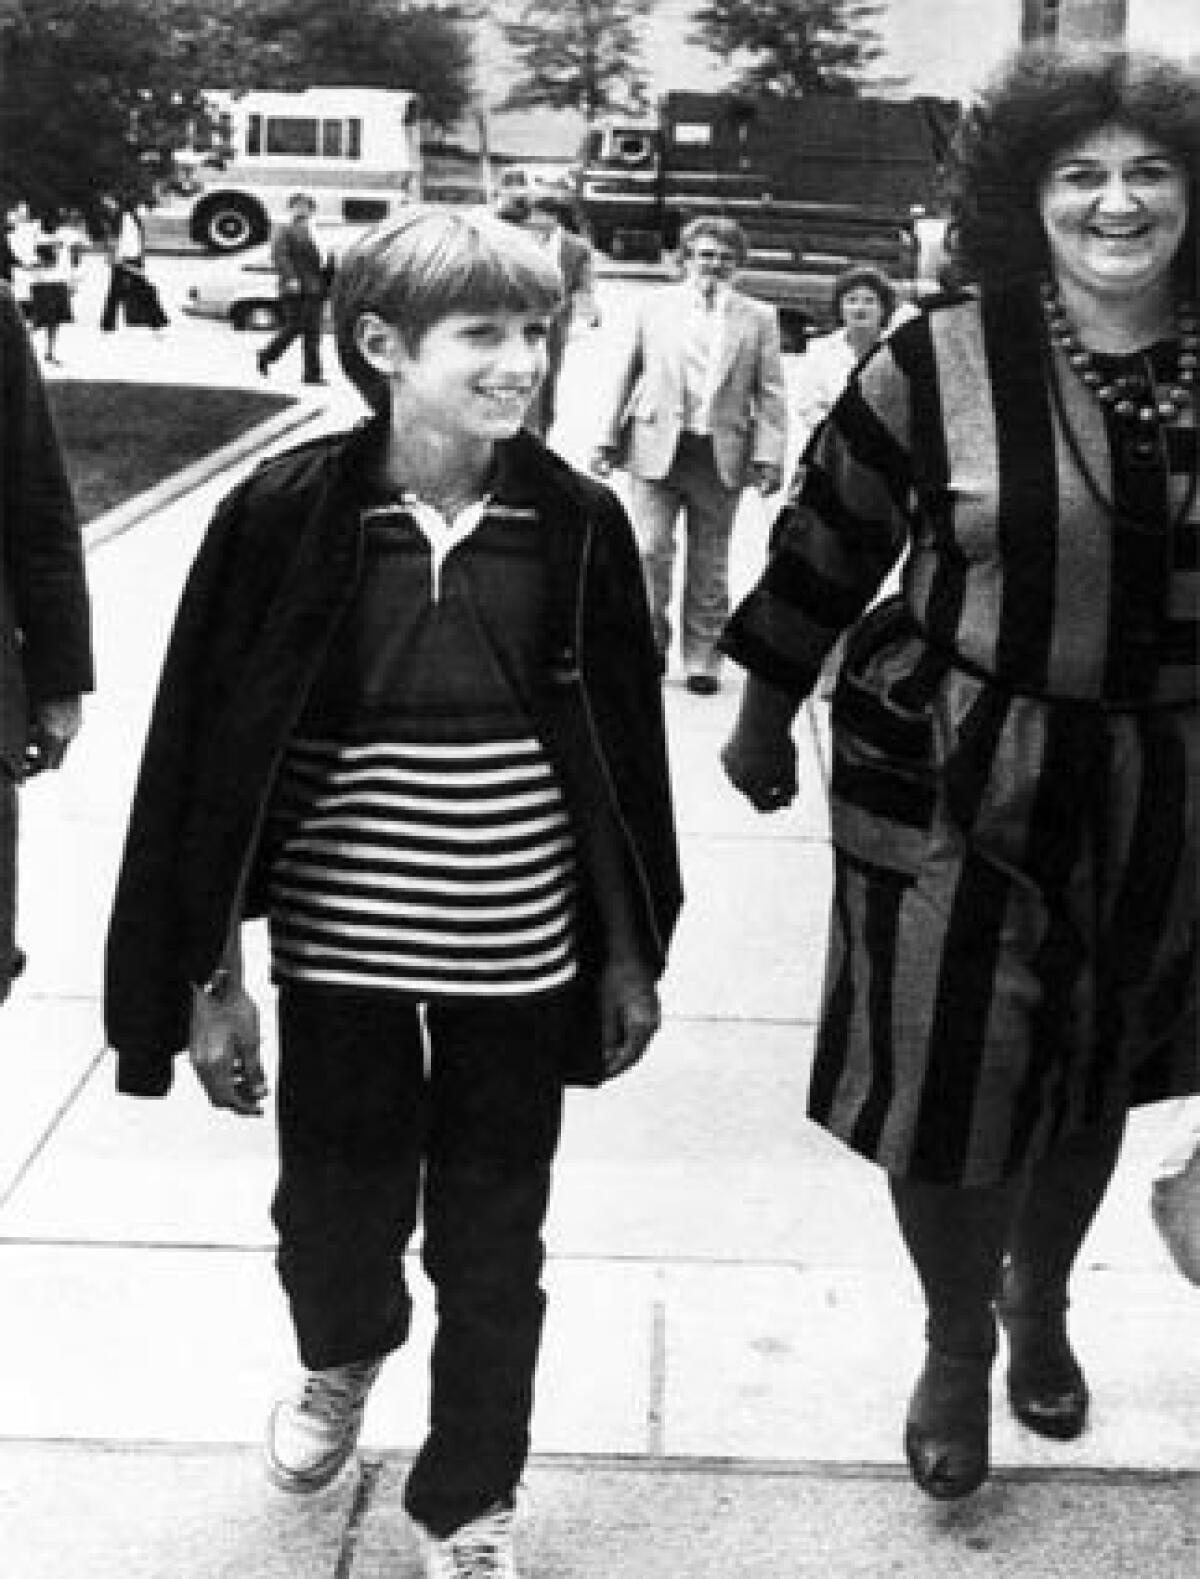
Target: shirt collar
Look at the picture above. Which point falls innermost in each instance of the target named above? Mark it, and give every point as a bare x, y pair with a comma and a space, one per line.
720, 295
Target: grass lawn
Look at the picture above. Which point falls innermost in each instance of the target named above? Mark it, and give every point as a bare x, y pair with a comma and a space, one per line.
120, 439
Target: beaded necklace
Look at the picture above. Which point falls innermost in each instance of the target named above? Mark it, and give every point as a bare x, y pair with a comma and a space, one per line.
1133, 396
1138, 399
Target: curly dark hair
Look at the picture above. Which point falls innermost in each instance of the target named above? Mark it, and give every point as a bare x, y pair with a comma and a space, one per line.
1044, 100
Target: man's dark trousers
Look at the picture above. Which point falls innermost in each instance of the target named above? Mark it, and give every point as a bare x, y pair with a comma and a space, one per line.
302, 321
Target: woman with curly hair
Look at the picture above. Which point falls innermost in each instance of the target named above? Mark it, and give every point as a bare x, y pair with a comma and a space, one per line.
1012, 954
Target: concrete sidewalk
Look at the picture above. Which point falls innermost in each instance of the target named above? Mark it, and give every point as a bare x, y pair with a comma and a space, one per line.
733, 1329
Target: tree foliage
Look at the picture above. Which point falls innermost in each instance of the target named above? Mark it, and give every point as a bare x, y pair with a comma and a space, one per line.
364, 43
96, 95
793, 46
578, 55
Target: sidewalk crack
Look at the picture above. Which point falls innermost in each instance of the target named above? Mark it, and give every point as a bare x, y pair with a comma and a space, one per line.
44, 1139
364, 1494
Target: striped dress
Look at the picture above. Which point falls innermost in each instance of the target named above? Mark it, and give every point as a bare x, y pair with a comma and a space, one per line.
1013, 937
419, 836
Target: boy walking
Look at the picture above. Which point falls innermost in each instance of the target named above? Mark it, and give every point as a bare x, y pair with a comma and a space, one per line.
409, 712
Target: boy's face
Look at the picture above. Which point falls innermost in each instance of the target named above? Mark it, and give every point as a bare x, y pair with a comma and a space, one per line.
473, 374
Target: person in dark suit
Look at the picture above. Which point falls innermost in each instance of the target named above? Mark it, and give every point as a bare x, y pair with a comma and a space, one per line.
303, 286
45, 626
697, 414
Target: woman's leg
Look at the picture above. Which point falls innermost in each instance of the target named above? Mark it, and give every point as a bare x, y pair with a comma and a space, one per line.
1062, 1194
956, 1239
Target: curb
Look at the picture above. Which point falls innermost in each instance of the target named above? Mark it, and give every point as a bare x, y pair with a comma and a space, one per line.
114, 523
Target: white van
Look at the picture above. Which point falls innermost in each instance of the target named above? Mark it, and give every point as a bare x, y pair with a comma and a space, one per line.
357, 151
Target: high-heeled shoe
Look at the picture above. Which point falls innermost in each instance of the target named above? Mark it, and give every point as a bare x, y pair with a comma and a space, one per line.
1047, 1389
947, 1430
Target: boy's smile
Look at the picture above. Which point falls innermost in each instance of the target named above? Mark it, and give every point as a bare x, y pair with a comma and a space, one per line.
473, 374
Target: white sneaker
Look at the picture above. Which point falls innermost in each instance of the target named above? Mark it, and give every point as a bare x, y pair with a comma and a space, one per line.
311, 1436
482, 1549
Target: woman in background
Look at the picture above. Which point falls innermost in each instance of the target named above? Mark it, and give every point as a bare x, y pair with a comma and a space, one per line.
57, 253
864, 301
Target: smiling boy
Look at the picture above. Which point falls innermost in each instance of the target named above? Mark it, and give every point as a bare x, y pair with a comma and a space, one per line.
410, 712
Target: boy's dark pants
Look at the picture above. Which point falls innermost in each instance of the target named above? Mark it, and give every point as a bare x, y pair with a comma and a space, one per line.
357, 1119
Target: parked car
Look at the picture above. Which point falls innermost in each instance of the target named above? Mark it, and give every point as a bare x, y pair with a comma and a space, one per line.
524, 179
243, 293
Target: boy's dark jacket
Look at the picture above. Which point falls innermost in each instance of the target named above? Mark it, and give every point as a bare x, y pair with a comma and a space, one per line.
277, 569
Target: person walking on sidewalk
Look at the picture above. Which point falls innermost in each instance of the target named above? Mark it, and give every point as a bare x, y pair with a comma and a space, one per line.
864, 302
45, 622
1016, 738
541, 213
410, 710
57, 252
697, 413
130, 290
303, 287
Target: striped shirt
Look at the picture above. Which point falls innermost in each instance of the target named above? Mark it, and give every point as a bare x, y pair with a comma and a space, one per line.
419, 835
431, 869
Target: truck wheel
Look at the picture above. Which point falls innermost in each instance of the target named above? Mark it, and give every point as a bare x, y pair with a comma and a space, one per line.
230, 224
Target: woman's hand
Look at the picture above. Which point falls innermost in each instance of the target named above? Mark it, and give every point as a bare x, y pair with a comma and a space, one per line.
760, 756
224, 1046
630, 1014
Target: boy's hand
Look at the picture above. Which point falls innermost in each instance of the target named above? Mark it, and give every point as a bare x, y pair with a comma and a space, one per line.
224, 1047
631, 1015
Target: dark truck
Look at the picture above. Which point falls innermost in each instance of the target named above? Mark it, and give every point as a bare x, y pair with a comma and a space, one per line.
817, 184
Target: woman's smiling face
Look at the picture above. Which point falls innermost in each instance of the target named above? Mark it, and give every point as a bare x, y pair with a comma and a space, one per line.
1114, 206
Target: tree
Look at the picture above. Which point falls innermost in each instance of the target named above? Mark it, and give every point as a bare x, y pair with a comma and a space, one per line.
366, 43
97, 95
793, 46
94, 96
581, 55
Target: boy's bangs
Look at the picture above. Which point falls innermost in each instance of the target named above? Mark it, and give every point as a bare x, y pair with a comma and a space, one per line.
496, 278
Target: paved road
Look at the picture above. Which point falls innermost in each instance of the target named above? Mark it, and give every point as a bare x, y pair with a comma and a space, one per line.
732, 1328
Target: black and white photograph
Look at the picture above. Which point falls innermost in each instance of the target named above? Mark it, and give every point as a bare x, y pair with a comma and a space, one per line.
666, 532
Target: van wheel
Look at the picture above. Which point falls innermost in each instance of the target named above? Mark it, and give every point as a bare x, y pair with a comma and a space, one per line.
230, 224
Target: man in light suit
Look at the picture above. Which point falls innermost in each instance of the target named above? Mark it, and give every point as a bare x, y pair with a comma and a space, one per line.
697, 414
